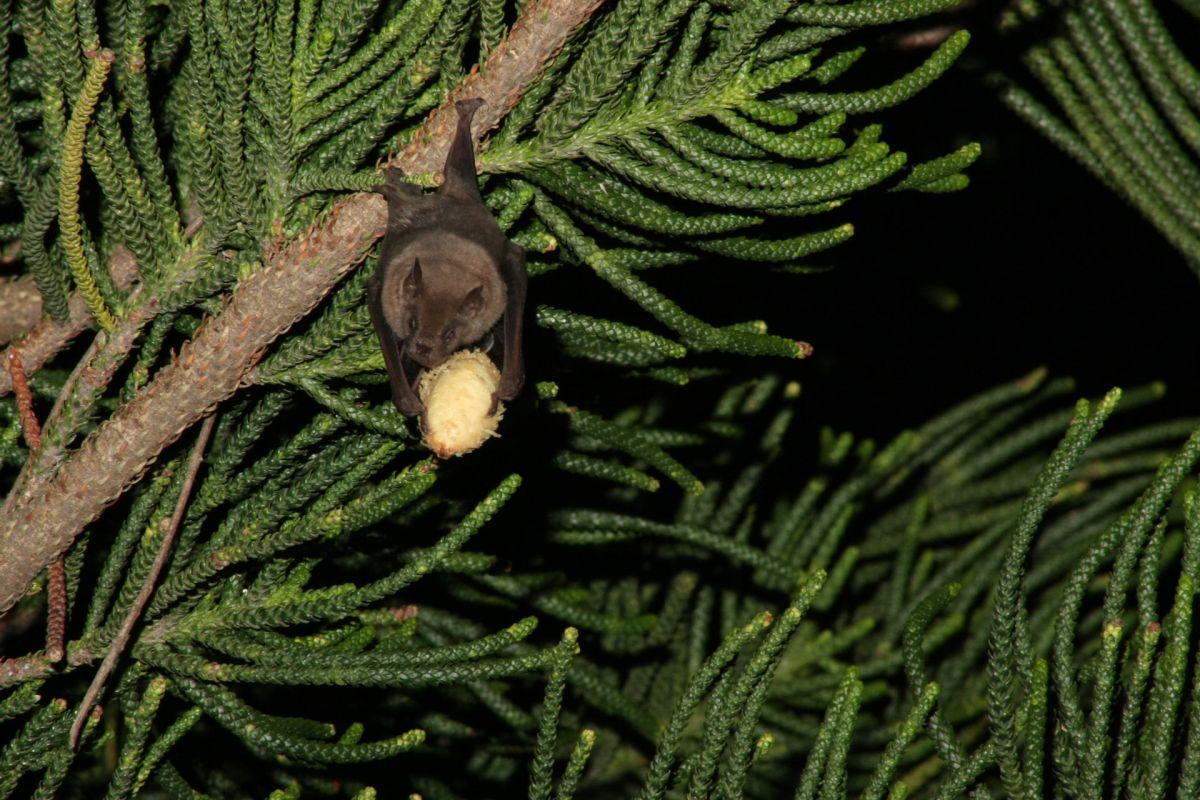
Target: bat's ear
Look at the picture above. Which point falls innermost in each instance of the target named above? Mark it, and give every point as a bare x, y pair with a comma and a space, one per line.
472, 304
413, 283
458, 176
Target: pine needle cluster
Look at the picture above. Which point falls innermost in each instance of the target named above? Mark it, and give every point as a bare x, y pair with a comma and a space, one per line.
1128, 106
621, 598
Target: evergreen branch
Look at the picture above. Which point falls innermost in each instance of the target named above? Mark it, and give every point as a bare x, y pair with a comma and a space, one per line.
886, 96
532, 42
139, 718
1127, 110
574, 768
20, 307
68, 187
207, 371
255, 729
542, 766
44, 340
158, 750
211, 367
237, 614
858, 14
120, 641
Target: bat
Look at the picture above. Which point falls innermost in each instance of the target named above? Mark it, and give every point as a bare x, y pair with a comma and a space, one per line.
447, 278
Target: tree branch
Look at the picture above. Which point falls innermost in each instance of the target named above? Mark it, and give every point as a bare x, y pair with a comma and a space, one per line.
44, 521
169, 528
47, 337
20, 307
535, 39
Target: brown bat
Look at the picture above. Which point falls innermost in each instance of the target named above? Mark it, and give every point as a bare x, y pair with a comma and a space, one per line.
447, 275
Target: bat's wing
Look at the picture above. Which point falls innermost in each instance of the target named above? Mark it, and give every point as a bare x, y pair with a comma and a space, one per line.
402, 392
458, 176
512, 374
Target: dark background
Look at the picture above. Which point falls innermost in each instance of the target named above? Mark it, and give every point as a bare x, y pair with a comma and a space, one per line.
1046, 267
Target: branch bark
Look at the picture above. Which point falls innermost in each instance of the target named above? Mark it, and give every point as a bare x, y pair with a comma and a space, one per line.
536, 37
42, 523
170, 529
20, 307
47, 337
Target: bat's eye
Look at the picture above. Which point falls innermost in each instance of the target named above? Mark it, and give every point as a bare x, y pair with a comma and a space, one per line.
412, 324
448, 335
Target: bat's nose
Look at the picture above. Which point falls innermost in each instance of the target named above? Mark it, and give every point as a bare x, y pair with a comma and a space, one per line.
420, 350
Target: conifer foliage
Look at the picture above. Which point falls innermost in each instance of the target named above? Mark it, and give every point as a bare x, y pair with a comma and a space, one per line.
1128, 100
187, 184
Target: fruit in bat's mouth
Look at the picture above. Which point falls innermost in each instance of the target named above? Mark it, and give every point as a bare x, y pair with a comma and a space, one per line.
457, 395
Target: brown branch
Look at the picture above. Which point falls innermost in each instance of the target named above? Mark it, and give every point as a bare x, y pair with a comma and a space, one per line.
47, 338
25, 668
20, 307
35, 665
169, 528
56, 584
45, 520
926, 38
535, 39
89, 379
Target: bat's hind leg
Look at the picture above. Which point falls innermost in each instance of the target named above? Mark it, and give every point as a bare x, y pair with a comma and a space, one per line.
458, 176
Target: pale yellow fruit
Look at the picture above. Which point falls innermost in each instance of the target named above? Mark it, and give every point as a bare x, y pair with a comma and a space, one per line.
458, 396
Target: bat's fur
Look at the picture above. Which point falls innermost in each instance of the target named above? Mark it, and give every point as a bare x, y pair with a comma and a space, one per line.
447, 275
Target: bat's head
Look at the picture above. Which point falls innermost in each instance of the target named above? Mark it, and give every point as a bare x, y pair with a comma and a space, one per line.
446, 310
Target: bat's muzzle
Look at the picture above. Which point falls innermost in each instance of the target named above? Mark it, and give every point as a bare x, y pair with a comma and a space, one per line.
424, 354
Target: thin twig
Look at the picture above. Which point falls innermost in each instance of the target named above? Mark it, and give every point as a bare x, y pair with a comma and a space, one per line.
926, 38
121, 640
44, 521
87, 382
